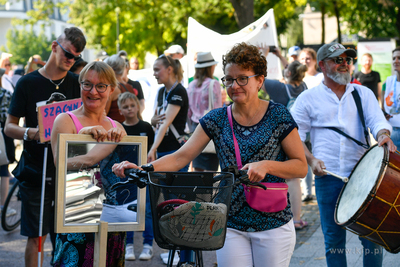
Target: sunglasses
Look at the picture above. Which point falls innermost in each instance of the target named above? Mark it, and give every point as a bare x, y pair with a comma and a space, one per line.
340, 60
69, 55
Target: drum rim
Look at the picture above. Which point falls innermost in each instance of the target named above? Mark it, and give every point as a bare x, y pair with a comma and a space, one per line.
372, 193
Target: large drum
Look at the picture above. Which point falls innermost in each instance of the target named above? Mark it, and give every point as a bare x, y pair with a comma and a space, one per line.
369, 204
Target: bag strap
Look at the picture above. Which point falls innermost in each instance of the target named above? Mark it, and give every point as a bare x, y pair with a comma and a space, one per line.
174, 131
287, 91
348, 136
237, 150
357, 99
10, 82
211, 95
123, 85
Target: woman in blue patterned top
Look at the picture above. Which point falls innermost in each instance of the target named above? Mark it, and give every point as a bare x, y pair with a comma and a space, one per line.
271, 151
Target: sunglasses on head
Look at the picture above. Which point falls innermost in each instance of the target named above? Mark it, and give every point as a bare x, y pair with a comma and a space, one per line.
67, 54
340, 60
167, 57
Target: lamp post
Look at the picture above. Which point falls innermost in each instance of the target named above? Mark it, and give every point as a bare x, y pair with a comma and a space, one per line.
117, 11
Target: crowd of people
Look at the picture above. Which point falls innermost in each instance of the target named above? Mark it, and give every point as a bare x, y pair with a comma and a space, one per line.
280, 140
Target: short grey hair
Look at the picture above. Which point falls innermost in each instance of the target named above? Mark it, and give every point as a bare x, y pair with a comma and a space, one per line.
117, 63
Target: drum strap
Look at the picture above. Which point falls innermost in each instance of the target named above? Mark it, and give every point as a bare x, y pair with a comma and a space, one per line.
357, 99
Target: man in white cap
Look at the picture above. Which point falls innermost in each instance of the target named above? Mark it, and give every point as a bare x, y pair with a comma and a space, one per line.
293, 53
333, 104
175, 51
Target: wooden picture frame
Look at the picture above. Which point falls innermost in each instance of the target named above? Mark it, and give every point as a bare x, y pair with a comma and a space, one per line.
139, 143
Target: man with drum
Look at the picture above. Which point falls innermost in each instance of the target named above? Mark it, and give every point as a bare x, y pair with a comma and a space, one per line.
332, 104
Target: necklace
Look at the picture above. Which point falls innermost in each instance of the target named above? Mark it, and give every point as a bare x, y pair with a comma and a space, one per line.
254, 115
48, 77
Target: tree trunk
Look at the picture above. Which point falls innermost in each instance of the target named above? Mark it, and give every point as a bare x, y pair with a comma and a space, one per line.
398, 23
338, 21
244, 12
323, 12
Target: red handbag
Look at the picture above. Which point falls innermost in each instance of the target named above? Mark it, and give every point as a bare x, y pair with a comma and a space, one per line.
272, 199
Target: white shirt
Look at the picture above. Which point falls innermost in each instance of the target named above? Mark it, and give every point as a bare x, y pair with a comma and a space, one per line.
319, 107
313, 81
392, 103
6, 82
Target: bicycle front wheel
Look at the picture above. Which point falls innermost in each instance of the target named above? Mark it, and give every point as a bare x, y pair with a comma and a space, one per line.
11, 212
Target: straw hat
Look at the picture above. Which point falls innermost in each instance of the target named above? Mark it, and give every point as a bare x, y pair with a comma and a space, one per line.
204, 60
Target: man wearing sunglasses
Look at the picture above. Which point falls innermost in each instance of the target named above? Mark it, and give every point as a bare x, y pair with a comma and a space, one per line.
31, 91
322, 110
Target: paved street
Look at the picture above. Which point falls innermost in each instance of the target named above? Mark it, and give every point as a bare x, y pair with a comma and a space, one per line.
309, 251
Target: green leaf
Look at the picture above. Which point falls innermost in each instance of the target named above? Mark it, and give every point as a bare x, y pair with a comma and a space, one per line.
218, 232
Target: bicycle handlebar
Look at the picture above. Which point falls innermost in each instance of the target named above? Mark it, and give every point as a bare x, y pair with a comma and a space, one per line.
135, 176
141, 179
242, 177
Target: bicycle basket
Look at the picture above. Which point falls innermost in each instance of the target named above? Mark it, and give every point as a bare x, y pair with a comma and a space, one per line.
190, 209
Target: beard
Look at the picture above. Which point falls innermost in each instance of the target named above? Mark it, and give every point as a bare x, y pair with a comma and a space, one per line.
340, 78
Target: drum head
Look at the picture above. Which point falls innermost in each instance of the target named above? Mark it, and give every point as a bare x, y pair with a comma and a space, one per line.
361, 181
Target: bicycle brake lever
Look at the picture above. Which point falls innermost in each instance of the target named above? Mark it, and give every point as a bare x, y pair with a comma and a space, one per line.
134, 176
245, 180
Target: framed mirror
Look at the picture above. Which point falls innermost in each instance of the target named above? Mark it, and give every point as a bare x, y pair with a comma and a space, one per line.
84, 185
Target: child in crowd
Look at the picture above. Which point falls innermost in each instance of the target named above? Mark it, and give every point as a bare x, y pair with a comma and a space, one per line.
129, 107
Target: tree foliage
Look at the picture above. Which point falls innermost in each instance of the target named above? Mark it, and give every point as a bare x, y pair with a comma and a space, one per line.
153, 25
284, 11
373, 18
23, 44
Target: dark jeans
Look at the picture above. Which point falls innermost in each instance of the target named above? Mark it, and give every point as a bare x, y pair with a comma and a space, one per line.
148, 235
327, 190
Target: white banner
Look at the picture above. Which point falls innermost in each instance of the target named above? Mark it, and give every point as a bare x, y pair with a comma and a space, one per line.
202, 39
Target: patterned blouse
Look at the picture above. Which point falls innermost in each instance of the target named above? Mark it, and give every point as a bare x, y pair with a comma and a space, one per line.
258, 142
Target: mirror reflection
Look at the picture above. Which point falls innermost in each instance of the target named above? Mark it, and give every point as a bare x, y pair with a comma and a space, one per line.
88, 194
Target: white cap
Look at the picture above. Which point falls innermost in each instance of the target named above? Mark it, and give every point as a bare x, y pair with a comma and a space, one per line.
175, 49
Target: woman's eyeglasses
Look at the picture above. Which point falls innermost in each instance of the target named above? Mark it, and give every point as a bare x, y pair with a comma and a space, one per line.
100, 87
69, 55
241, 80
340, 60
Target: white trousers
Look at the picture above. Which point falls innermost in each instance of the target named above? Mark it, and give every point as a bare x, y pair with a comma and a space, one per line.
270, 248
120, 213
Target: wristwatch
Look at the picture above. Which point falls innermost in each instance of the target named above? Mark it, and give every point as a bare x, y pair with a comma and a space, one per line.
26, 136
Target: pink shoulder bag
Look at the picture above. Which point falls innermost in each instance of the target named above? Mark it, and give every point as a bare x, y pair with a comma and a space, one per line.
274, 198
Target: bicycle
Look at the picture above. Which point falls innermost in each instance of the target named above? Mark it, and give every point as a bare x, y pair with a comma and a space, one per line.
190, 209
13, 201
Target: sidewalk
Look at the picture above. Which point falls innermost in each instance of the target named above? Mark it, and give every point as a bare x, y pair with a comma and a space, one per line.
309, 250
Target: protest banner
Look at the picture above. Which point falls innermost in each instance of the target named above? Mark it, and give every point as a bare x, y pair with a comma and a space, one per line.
202, 39
48, 113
